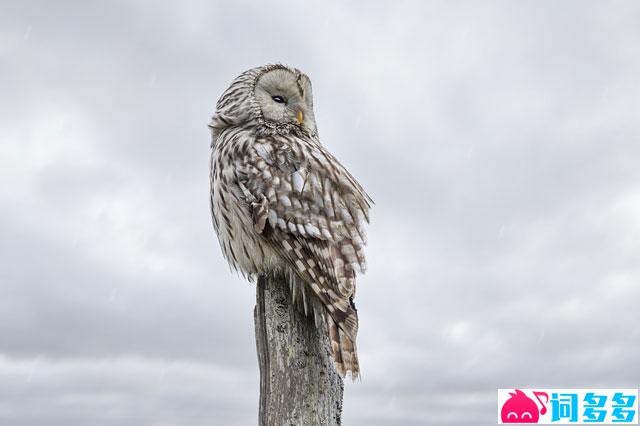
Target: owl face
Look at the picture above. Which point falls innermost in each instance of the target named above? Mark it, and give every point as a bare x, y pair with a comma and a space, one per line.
285, 97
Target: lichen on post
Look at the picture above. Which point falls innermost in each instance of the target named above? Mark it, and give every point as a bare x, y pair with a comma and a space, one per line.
299, 384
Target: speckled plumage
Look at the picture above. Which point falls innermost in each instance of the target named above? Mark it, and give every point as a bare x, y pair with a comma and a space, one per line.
282, 204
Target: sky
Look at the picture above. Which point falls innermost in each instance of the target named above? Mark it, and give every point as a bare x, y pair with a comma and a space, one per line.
499, 140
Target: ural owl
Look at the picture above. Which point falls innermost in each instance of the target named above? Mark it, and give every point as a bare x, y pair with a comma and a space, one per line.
282, 204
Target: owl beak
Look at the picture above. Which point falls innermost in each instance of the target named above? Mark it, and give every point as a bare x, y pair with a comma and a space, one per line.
300, 117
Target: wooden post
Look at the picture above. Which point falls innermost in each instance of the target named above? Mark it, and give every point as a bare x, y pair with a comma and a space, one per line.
299, 384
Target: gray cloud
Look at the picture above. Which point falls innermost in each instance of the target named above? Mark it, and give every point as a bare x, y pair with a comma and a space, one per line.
499, 141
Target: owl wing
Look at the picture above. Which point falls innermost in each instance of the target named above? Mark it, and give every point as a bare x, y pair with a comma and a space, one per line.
313, 211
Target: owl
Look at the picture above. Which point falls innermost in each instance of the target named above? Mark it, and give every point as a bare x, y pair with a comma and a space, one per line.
282, 204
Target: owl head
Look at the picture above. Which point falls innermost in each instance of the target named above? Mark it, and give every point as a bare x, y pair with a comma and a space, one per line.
275, 97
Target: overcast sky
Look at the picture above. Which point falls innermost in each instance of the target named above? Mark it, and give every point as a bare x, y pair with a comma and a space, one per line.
500, 141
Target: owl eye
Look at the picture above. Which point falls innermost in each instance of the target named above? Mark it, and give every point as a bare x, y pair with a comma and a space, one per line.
279, 99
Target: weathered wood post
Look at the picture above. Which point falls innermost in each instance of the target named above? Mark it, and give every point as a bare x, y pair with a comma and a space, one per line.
299, 384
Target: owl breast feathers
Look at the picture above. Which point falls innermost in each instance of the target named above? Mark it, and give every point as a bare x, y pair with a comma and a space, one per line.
281, 203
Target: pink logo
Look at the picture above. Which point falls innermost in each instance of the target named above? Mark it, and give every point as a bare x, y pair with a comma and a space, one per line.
519, 408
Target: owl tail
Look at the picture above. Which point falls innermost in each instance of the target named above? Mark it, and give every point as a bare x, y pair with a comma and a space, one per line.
343, 349
341, 319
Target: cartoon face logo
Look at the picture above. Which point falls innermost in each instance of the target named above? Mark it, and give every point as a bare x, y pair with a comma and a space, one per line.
519, 408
